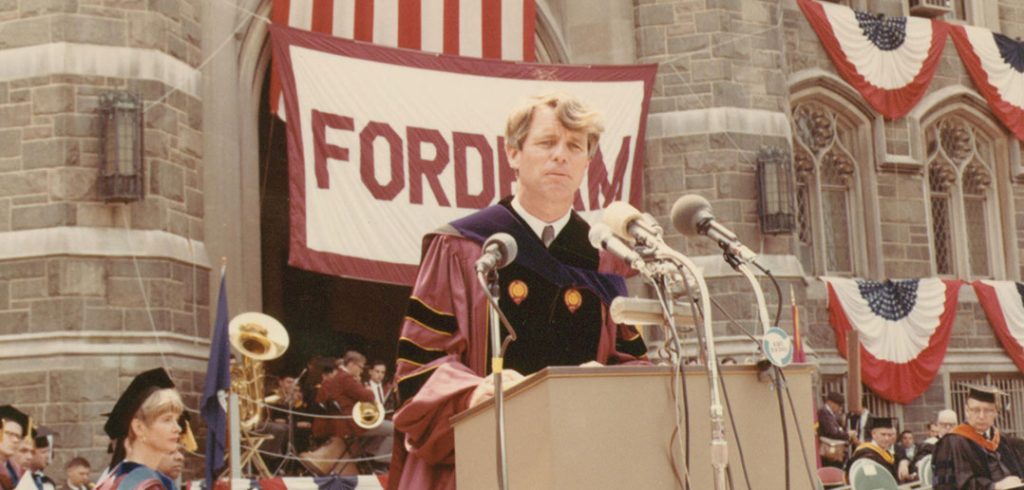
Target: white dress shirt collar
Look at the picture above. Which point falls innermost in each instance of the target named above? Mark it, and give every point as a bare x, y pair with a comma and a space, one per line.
536, 224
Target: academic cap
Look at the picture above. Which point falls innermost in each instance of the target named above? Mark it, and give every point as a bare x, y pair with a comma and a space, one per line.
982, 393
9, 413
120, 418
881, 423
42, 436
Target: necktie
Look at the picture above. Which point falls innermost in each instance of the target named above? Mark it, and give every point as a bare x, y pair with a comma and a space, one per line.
548, 235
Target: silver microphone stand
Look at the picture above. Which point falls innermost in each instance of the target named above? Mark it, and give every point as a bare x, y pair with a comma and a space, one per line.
489, 281
655, 248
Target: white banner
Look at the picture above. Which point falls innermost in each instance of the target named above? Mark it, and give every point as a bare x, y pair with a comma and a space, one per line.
386, 145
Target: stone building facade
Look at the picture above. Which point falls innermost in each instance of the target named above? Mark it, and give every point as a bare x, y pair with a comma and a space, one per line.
91, 293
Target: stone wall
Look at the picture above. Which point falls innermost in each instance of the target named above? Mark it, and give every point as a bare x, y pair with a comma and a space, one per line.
93, 293
903, 215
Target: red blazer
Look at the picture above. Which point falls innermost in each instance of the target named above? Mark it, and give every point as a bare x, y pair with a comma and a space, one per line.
341, 391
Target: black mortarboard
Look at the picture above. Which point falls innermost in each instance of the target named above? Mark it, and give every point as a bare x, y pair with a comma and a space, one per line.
42, 436
11, 414
881, 423
987, 394
138, 390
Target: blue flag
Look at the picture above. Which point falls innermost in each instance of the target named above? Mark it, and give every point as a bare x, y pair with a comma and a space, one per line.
215, 389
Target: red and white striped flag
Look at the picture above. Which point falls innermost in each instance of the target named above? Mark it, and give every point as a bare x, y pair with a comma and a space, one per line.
494, 29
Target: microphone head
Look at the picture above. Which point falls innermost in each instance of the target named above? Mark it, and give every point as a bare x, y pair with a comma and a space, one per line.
507, 248
617, 216
689, 212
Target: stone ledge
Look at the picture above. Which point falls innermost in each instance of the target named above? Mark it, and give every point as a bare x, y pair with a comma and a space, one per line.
102, 242
93, 60
718, 120
95, 343
714, 266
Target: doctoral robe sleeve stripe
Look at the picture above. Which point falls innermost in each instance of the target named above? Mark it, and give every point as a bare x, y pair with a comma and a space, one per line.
634, 347
410, 385
421, 314
414, 353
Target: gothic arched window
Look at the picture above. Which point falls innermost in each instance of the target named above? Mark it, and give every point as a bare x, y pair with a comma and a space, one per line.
827, 189
962, 197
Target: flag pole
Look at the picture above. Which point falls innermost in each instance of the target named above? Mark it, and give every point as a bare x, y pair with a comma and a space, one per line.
236, 435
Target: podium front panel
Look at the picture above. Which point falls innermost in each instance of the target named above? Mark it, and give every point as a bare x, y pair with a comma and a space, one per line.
611, 427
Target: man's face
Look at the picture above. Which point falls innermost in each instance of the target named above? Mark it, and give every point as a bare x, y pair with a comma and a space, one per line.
41, 458
378, 372
883, 437
12, 439
25, 453
835, 407
943, 428
78, 475
933, 430
907, 440
355, 368
172, 463
552, 160
980, 415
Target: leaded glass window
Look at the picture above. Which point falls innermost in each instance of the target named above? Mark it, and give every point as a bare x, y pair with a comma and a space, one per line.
960, 187
826, 185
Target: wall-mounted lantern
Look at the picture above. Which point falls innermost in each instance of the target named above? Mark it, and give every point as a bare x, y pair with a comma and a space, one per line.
775, 180
121, 162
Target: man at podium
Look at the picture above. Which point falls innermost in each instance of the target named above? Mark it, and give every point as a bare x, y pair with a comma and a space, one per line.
555, 294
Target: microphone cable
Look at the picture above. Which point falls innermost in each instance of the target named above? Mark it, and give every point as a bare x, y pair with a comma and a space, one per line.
780, 382
728, 405
678, 379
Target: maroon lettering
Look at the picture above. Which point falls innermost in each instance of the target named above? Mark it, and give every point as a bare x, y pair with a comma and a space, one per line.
597, 177
506, 175
373, 130
321, 149
420, 168
463, 199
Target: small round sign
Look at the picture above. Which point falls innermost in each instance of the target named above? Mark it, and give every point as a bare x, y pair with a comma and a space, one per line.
778, 347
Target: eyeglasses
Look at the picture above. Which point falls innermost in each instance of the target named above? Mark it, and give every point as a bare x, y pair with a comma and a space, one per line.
982, 411
13, 435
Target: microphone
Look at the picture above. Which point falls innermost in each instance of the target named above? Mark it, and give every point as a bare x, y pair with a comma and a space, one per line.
499, 250
640, 311
629, 224
602, 238
691, 215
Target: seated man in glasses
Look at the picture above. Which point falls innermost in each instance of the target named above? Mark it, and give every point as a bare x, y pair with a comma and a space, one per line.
974, 455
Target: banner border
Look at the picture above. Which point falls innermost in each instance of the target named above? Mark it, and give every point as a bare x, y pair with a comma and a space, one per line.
283, 38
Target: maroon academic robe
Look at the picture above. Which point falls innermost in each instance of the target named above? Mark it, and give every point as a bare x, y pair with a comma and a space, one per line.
341, 391
443, 353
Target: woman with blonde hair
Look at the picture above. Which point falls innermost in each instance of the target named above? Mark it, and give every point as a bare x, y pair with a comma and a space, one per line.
144, 427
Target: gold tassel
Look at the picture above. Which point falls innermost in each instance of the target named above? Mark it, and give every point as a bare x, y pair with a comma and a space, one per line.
188, 440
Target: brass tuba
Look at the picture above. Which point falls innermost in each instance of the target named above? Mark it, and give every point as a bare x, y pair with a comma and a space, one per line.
258, 338
368, 415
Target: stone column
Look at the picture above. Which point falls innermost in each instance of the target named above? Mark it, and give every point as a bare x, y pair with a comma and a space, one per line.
93, 293
720, 96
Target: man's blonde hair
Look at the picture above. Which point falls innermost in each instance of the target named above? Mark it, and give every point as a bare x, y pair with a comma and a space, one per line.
158, 403
573, 113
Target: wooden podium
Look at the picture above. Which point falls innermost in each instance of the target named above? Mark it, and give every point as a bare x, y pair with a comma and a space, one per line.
611, 427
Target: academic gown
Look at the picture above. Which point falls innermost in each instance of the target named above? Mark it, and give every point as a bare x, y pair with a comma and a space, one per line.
963, 460
870, 450
556, 300
129, 475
